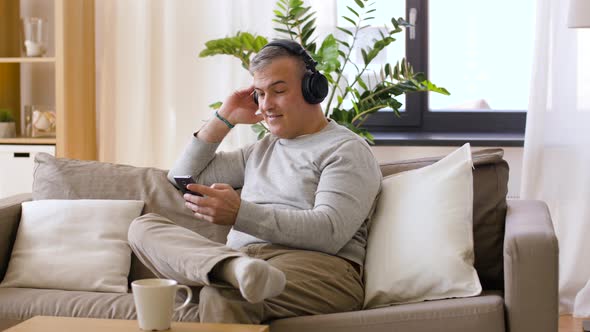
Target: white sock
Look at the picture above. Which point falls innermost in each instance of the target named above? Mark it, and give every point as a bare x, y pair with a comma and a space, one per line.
256, 279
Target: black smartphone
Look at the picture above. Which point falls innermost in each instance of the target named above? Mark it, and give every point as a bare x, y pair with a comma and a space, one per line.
184, 180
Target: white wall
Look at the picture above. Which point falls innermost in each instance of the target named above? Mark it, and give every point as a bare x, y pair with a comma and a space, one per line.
513, 155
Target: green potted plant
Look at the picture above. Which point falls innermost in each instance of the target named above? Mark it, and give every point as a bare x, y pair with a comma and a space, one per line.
350, 101
7, 125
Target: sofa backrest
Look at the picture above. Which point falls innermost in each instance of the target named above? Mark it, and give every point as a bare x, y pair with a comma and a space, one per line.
490, 187
60, 178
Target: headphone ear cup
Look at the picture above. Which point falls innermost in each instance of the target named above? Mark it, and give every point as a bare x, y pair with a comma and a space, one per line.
255, 97
314, 87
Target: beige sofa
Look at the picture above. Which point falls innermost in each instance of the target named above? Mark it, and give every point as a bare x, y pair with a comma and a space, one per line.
516, 255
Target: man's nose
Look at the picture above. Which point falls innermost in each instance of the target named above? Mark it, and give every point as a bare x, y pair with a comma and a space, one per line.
267, 103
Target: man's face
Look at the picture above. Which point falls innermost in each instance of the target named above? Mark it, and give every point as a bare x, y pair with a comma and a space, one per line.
278, 86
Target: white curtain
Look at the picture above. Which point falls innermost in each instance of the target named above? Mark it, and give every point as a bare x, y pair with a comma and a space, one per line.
153, 90
556, 165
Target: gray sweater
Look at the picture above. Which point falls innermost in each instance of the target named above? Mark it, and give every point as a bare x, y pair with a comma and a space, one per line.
313, 192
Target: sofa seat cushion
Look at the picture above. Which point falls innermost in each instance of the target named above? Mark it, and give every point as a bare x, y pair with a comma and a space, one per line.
24, 303
482, 313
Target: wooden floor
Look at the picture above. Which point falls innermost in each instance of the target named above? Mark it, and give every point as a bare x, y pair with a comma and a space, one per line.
567, 323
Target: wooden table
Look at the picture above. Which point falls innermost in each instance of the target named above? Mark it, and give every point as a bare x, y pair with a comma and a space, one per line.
567, 323
69, 324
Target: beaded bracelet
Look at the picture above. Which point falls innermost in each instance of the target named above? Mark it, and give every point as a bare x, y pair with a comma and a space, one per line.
229, 125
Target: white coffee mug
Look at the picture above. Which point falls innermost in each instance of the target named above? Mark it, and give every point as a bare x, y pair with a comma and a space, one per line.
154, 302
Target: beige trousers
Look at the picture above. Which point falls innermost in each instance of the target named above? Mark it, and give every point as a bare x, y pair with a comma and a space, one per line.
317, 283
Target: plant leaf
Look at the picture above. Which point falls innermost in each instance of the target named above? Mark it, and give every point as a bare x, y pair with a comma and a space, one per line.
349, 20
260, 130
307, 17
291, 33
432, 87
327, 55
387, 69
343, 43
353, 11
215, 105
345, 31
362, 84
309, 25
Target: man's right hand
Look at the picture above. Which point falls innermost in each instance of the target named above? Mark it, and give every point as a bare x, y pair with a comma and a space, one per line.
238, 108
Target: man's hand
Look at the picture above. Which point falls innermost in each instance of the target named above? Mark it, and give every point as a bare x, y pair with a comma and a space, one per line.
239, 107
220, 204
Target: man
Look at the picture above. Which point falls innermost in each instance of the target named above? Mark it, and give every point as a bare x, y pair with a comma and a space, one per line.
299, 232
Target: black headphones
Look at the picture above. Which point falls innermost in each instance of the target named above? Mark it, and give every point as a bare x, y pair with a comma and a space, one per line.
314, 85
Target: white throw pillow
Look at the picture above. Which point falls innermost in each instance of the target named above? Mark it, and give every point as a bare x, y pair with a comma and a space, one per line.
73, 245
420, 244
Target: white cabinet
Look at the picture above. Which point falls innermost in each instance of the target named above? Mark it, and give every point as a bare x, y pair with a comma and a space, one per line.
16, 167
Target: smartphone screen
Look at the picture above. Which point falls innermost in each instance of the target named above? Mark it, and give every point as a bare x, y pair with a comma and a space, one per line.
184, 180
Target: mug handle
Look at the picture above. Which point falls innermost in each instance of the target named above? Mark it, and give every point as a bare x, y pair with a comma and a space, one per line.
189, 296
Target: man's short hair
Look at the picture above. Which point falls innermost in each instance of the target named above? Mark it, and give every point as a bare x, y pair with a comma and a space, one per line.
269, 54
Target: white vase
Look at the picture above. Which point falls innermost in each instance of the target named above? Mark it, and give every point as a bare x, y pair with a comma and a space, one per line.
7, 129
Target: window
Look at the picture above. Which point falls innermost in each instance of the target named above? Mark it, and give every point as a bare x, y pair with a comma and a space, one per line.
481, 51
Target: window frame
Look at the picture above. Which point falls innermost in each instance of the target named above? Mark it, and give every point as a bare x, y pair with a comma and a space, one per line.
418, 125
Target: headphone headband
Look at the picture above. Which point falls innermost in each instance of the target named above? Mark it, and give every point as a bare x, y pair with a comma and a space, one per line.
295, 49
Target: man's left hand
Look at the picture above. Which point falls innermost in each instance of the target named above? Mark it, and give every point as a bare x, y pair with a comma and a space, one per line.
219, 205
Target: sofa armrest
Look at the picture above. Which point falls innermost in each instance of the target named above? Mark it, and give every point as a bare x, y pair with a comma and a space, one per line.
10, 211
530, 268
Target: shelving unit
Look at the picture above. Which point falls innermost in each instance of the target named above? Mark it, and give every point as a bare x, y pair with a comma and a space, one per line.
29, 140
27, 60
71, 62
